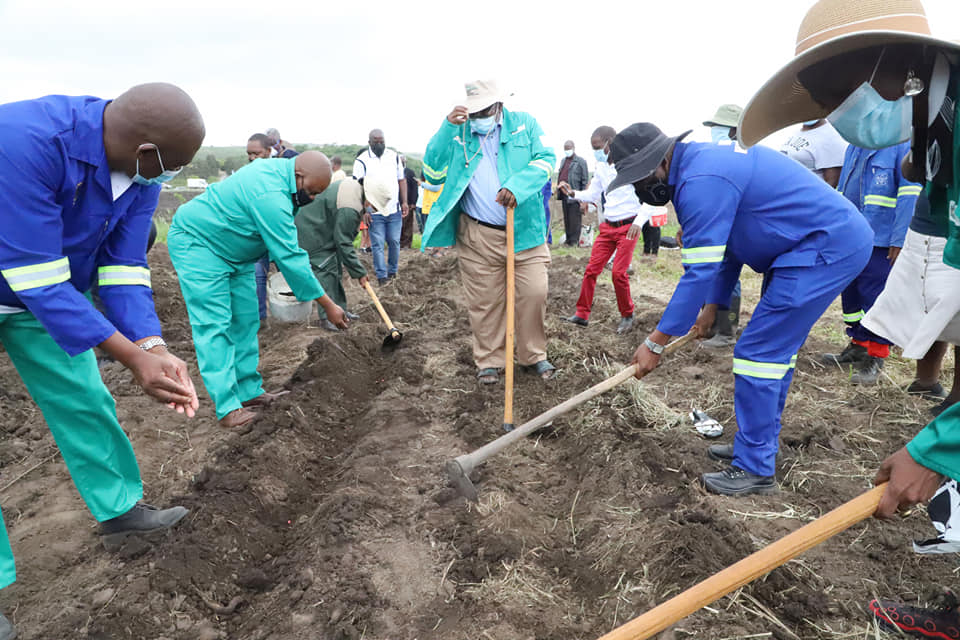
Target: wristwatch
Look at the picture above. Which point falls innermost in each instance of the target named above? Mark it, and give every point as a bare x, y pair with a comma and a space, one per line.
653, 346
151, 343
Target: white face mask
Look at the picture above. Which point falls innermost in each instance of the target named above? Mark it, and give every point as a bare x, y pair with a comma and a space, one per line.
568, 153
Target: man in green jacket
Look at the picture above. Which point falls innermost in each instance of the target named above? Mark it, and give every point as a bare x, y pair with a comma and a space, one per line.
327, 227
489, 158
214, 242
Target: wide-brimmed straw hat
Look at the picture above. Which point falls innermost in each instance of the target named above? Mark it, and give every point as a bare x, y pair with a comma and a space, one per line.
831, 28
637, 151
727, 115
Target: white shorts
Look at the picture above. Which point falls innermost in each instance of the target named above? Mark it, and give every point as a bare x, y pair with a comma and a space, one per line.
920, 303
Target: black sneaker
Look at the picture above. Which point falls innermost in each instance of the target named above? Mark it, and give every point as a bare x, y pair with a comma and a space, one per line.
868, 371
575, 319
142, 519
852, 354
937, 409
734, 481
7, 630
382, 281
939, 621
626, 323
934, 393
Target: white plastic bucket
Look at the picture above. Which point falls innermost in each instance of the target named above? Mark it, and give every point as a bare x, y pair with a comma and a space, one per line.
284, 306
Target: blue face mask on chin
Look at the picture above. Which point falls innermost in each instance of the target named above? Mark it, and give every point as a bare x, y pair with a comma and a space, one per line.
165, 175
600, 155
865, 119
720, 134
483, 126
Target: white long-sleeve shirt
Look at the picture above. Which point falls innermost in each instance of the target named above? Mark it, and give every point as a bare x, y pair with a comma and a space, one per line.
621, 203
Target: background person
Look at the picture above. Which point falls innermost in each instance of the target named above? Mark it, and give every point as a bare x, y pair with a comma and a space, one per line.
380, 172
573, 170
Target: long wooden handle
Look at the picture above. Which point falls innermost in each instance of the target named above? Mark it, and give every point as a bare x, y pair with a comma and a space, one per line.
469, 461
376, 302
750, 568
511, 307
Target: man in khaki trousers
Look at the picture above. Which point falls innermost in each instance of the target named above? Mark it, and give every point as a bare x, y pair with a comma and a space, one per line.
488, 159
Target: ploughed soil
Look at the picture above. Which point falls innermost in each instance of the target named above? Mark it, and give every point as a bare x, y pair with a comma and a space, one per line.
331, 517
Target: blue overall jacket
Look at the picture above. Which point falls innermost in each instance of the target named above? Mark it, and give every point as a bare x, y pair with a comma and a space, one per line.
60, 226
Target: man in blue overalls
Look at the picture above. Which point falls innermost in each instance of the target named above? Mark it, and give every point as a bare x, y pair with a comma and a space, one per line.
81, 179
756, 208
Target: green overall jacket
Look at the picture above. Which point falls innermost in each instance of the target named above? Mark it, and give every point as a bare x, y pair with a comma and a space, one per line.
524, 165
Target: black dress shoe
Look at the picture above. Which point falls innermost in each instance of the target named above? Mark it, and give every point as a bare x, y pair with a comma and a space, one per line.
734, 481
575, 319
140, 520
626, 323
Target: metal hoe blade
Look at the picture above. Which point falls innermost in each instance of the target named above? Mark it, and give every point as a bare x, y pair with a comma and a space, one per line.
392, 339
460, 481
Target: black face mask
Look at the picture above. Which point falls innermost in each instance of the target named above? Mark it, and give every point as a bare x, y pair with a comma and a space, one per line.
378, 148
301, 198
657, 193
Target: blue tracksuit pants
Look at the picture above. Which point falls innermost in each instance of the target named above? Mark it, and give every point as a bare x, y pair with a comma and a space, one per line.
793, 299
860, 295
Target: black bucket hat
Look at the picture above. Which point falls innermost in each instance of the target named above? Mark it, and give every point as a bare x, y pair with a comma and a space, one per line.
637, 151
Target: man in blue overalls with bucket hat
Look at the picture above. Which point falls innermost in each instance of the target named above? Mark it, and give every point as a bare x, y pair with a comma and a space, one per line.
756, 208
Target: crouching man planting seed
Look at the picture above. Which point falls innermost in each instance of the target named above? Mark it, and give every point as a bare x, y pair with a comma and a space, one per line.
756, 208
81, 178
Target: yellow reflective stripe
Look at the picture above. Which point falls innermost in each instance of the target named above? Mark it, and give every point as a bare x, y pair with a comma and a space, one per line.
880, 201
854, 317
37, 275
117, 275
909, 190
793, 361
542, 164
433, 174
698, 255
765, 370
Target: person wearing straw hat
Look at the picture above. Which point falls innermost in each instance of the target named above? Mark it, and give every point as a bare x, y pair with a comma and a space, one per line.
756, 208
489, 158
863, 66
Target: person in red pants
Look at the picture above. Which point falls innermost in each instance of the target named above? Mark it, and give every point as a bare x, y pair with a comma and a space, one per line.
618, 233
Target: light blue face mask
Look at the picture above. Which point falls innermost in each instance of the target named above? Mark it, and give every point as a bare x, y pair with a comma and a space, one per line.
720, 134
810, 123
600, 155
165, 175
483, 126
865, 119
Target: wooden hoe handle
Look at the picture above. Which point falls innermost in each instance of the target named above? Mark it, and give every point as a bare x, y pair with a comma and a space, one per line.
376, 302
750, 568
511, 307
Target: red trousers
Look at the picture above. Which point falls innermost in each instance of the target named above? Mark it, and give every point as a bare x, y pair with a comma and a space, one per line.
609, 239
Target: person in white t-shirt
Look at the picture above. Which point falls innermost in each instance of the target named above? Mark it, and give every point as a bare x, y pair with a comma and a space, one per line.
818, 147
380, 172
618, 233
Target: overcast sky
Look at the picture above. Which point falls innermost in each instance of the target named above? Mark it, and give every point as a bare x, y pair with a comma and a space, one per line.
331, 70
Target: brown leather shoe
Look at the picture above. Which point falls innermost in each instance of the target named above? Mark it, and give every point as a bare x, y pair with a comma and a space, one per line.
264, 399
238, 418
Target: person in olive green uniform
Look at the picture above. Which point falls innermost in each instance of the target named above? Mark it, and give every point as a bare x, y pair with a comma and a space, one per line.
326, 228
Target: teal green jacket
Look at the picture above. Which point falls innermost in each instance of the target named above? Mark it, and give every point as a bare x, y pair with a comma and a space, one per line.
249, 214
524, 165
937, 446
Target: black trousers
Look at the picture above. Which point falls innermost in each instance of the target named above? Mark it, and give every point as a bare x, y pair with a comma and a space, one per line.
651, 239
572, 221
